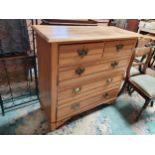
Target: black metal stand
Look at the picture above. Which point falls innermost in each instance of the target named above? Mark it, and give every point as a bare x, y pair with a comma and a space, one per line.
9, 100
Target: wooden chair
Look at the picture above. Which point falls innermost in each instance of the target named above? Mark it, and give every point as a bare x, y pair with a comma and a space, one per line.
139, 59
144, 84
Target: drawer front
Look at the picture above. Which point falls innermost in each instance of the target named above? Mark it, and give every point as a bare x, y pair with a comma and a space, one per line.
84, 70
88, 79
82, 91
117, 49
80, 53
71, 109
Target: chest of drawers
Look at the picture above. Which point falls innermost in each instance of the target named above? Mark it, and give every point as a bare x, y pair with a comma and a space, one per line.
80, 68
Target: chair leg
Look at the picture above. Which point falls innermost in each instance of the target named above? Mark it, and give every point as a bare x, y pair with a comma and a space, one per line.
151, 103
122, 89
31, 74
130, 90
143, 108
1, 104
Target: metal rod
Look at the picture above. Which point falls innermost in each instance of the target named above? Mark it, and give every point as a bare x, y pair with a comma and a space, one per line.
17, 98
35, 62
1, 104
23, 103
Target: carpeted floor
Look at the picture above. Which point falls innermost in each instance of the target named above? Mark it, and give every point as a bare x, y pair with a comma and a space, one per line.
117, 119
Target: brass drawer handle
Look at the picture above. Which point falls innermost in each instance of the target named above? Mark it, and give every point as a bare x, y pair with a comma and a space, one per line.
75, 106
80, 70
105, 95
119, 46
108, 81
114, 64
82, 52
76, 90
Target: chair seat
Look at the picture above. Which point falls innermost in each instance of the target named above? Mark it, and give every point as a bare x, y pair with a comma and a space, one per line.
146, 83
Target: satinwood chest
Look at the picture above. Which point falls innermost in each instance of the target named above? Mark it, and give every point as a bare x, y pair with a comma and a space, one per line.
80, 67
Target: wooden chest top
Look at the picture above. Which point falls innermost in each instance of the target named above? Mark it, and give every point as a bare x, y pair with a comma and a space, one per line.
82, 33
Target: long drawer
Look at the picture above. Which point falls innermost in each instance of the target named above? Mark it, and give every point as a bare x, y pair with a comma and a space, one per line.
79, 91
67, 110
86, 69
88, 79
80, 53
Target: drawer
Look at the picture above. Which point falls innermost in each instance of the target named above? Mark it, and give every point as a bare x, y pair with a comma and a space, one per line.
63, 85
67, 110
81, 91
86, 69
80, 53
117, 49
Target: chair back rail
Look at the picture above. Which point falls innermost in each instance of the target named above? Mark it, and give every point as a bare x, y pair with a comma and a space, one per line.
145, 53
142, 51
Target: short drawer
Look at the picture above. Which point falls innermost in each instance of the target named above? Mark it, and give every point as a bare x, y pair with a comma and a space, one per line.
86, 69
80, 53
78, 91
75, 107
117, 49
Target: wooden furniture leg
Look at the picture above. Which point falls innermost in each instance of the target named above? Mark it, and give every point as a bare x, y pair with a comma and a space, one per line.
53, 126
143, 108
130, 90
58, 124
122, 90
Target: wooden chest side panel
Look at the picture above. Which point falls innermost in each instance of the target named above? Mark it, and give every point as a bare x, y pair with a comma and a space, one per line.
54, 82
44, 71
